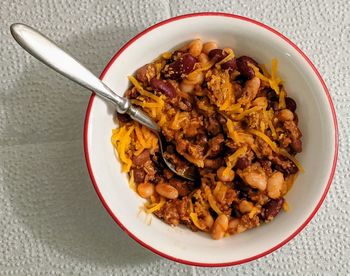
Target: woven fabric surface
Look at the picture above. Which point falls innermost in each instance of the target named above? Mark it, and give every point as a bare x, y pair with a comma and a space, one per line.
51, 219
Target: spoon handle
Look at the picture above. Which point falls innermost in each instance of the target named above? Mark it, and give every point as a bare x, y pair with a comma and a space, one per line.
53, 56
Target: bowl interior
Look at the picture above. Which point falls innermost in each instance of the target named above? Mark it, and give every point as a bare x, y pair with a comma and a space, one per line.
315, 121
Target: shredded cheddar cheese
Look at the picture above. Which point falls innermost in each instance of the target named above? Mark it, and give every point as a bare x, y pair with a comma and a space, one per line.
281, 100
211, 200
156, 206
143, 92
196, 221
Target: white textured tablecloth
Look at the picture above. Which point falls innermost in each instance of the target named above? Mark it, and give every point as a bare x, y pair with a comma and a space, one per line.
51, 220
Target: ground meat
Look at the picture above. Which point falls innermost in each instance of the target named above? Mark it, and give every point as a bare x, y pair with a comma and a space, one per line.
132, 93
253, 120
248, 222
266, 166
150, 170
169, 134
283, 164
139, 175
179, 163
196, 151
295, 135
169, 213
168, 174
212, 125
216, 145
185, 105
174, 211
263, 147
284, 141
194, 127
213, 163
226, 203
250, 90
142, 158
182, 186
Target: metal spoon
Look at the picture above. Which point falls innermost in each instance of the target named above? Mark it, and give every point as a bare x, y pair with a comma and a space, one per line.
50, 54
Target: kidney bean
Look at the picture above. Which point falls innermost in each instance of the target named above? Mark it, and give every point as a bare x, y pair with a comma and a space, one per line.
271, 95
291, 104
272, 208
142, 158
297, 145
183, 65
231, 64
244, 68
217, 54
139, 175
243, 163
163, 86
220, 54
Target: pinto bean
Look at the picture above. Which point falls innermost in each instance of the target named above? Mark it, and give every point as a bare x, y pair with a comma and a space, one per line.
203, 59
244, 68
167, 191
219, 227
183, 65
229, 176
145, 189
207, 47
255, 179
272, 208
275, 184
195, 47
285, 115
163, 86
290, 104
209, 221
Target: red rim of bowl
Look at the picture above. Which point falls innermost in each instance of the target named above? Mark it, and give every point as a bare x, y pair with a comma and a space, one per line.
86, 125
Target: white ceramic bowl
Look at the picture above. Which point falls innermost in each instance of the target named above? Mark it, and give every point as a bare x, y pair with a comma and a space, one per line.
317, 121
